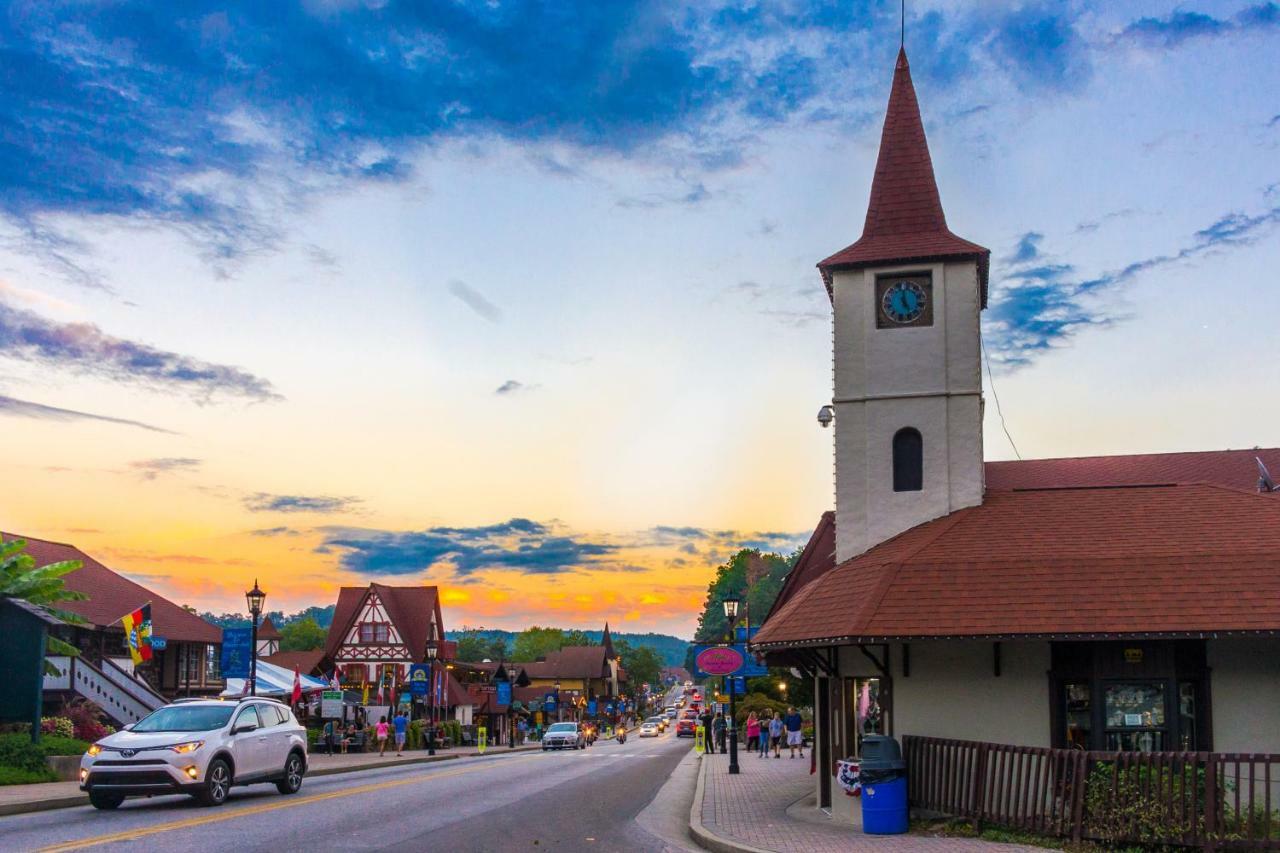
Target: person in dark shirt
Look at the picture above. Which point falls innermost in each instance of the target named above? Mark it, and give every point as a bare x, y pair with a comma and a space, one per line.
792, 722
706, 719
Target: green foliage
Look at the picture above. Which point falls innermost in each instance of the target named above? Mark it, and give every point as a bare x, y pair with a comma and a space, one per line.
761, 704
1125, 804
477, 644
17, 751
641, 664
20, 578
533, 643
16, 776
302, 635
61, 726
732, 580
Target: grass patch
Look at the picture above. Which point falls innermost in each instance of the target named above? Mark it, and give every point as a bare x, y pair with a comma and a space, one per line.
952, 828
18, 776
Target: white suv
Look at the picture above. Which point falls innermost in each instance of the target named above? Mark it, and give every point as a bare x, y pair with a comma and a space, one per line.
200, 747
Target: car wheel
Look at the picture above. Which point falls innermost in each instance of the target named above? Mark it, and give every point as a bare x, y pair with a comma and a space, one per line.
106, 802
292, 780
217, 783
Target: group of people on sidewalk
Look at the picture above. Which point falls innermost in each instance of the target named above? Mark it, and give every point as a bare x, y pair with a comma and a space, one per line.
763, 735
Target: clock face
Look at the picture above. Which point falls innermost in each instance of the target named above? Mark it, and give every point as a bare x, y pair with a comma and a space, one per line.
903, 301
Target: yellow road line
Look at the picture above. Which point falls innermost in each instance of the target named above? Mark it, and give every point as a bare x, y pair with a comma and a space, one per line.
228, 814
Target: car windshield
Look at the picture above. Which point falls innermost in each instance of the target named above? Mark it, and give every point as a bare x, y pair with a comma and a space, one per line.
562, 727
177, 718
654, 720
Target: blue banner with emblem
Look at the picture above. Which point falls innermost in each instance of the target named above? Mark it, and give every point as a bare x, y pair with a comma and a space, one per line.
419, 680
236, 646
592, 707
549, 703
504, 692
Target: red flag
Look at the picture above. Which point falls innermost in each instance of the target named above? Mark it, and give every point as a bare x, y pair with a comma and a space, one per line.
297, 686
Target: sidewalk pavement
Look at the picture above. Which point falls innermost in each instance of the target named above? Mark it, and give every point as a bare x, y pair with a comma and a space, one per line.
749, 813
19, 799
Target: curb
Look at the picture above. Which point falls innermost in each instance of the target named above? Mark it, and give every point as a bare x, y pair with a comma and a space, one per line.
704, 837
80, 798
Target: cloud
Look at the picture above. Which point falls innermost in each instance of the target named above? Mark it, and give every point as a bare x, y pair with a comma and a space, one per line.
39, 411
512, 386
275, 531
518, 545
150, 469
263, 502
474, 300
1179, 27
84, 348
1040, 305
1042, 49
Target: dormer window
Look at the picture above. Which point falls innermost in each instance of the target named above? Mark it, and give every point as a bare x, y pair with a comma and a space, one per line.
374, 632
908, 460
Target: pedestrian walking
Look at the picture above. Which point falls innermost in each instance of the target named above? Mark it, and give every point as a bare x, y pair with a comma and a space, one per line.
709, 741
795, 738
401, 723
381, 732
753, 731
720, 727
775, 734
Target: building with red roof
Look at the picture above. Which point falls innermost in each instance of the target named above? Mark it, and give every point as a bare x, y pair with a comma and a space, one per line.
1106, 603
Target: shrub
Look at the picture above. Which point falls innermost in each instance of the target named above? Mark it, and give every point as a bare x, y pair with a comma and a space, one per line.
58, 745
15, 776
761, 704
17, 751
1125, 804
86, 717
60, 726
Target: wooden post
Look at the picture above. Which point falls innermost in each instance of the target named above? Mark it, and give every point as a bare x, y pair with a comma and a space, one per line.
979, 786
1079, 779
1210, 802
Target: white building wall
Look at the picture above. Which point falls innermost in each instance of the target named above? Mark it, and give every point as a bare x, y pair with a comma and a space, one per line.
885, 379
1245, 687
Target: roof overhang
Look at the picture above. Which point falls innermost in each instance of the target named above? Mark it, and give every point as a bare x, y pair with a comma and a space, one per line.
821, 642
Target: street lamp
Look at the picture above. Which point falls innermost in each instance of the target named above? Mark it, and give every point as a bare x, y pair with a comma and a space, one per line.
432, 651
559, 707
255, 599
731, 613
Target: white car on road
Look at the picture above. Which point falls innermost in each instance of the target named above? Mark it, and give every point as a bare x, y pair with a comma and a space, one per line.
650, 728
563, 736
199, 747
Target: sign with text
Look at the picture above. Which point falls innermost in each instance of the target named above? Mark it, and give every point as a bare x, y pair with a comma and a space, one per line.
419, 680
331, 704
158, 644
236, 646
725, 660
504, 692
592, 707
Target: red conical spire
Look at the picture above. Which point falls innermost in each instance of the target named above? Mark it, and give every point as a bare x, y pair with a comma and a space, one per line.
904, 221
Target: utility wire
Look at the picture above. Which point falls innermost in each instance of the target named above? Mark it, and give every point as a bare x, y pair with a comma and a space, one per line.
992, 381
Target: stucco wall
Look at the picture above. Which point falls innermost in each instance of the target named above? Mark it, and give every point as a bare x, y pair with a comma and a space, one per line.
1245, 682
885, 379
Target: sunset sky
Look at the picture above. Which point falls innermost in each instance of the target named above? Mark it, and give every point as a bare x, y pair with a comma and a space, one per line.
521, 300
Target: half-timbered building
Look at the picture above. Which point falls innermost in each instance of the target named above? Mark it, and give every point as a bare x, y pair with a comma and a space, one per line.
379, 631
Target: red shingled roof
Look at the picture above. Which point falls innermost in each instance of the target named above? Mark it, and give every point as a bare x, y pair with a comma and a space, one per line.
570, 662
1237, 468
307, 662
1130, 560
268, 631
817, 558
111, 595
409, 607
905, 221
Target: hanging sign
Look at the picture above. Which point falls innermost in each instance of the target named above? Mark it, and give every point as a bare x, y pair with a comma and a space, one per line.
236, 645
504, 692
158, 643
718, 660
419, 680
592, 708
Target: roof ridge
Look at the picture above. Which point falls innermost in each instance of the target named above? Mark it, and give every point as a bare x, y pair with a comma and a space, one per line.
1129, 455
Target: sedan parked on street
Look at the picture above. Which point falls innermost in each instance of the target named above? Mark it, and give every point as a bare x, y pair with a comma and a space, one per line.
563, 736
200, 747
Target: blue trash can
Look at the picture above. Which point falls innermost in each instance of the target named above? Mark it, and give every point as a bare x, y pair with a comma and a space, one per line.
884, 807
884, 786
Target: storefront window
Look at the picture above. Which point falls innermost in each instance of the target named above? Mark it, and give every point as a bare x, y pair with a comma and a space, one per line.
868, 711
212, 663
1079, 715
1135, 718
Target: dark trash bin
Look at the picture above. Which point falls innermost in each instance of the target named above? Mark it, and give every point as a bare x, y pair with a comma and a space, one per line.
884, 786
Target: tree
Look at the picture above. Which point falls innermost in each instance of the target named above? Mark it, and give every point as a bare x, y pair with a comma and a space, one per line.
731, 579
302, 635
533, 643
474, 645
19, 578
641, 663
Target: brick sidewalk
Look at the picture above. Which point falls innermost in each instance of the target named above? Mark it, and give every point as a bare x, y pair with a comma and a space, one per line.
749, 811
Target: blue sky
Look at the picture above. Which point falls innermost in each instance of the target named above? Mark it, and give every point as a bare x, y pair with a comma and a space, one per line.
330, 284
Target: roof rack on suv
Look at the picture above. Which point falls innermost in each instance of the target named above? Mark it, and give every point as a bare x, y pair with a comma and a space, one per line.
260, 699
186, 699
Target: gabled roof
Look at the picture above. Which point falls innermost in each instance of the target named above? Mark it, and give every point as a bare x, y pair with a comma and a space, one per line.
112, 595
817, 558
571, 662
905, 221
408, 607
307, 662
1236, 468
1172, 560
268, 631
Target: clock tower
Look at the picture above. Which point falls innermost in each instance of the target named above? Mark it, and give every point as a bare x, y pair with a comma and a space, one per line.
908, 381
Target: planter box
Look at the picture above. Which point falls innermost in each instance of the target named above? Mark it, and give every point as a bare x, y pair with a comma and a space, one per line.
67, 767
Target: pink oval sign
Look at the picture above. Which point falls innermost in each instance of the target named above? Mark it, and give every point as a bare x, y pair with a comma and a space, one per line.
720, 661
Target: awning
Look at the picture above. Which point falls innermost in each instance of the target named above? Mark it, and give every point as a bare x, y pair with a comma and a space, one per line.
274, 681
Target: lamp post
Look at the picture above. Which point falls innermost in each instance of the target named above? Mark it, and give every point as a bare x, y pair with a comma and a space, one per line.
731, 613
559, 707
255, 599
432, 651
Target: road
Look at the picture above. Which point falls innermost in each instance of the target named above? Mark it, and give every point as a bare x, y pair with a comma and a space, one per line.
571, 800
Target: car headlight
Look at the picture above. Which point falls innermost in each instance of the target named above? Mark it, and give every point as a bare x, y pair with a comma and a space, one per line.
93, 750
189, 746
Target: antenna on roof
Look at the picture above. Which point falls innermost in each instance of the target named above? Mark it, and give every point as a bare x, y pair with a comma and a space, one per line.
1265, 483
902, 22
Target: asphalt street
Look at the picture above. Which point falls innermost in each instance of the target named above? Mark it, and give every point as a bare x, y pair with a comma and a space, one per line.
570, 800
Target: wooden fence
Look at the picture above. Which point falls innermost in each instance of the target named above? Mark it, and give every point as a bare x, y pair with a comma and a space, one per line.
1211, 800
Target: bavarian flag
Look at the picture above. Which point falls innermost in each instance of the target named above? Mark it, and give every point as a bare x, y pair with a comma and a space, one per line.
137, 632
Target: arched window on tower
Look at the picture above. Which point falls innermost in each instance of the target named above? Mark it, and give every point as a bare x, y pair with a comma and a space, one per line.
908, 460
